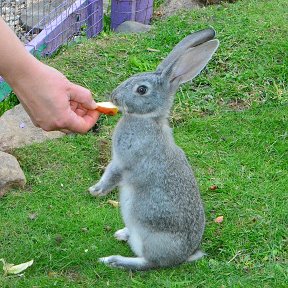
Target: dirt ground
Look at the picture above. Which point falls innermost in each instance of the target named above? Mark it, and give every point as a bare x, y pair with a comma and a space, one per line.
170, 7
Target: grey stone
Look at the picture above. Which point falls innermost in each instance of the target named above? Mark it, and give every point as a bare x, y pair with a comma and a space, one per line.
17, 130
132, 27
11, 175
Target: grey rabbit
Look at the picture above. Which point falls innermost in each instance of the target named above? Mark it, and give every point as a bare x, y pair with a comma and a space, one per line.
159, 198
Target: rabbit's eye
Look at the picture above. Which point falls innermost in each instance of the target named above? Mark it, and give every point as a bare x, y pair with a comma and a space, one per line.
142, 89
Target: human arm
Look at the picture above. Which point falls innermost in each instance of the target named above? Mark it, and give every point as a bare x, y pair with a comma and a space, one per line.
50, 99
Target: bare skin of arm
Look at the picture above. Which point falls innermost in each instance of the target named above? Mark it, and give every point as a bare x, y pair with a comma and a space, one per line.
50, 99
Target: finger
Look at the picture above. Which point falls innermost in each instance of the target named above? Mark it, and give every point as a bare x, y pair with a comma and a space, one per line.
82, 124
81, 111
73, 105
91, 118
83, 96
78, 108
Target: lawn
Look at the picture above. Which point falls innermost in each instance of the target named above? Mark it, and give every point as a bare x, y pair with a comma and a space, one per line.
232, 124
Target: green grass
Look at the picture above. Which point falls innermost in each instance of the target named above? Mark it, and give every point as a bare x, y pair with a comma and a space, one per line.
8, 103
232, 124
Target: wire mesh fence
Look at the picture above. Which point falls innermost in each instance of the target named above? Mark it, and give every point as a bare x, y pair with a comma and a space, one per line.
53, 22
27, 17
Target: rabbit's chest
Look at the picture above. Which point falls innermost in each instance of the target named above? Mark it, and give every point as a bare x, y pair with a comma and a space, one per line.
130, 142
125, 141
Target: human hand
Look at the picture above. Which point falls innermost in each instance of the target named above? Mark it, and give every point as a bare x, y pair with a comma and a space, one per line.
53, 102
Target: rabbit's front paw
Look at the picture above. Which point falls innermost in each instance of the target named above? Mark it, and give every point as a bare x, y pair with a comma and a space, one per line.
98, 190
122, 234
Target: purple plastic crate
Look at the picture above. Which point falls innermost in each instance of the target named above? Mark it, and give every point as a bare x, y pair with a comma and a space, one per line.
134, 10
95, 17
87, 16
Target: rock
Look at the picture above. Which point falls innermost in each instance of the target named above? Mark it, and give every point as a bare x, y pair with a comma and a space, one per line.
17, 130
11, 174
132, 27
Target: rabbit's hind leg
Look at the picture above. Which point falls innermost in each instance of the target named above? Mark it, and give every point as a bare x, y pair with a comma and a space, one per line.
165, 249
122, 234
129, 263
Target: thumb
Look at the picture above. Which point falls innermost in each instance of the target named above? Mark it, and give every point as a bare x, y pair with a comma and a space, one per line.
82, 96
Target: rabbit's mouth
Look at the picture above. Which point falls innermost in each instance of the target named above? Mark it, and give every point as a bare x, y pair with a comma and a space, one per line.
114, 101
119, 102
121, 106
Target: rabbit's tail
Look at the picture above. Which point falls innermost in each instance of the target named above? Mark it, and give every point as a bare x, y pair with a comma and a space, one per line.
198, 254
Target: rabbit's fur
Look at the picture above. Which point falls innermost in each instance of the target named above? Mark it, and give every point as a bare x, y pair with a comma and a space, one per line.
159, 198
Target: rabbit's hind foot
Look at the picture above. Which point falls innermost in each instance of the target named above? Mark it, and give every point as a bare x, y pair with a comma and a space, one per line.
128, 263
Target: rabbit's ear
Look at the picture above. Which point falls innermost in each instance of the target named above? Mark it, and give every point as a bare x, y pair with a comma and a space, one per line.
191, 63
189, 41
